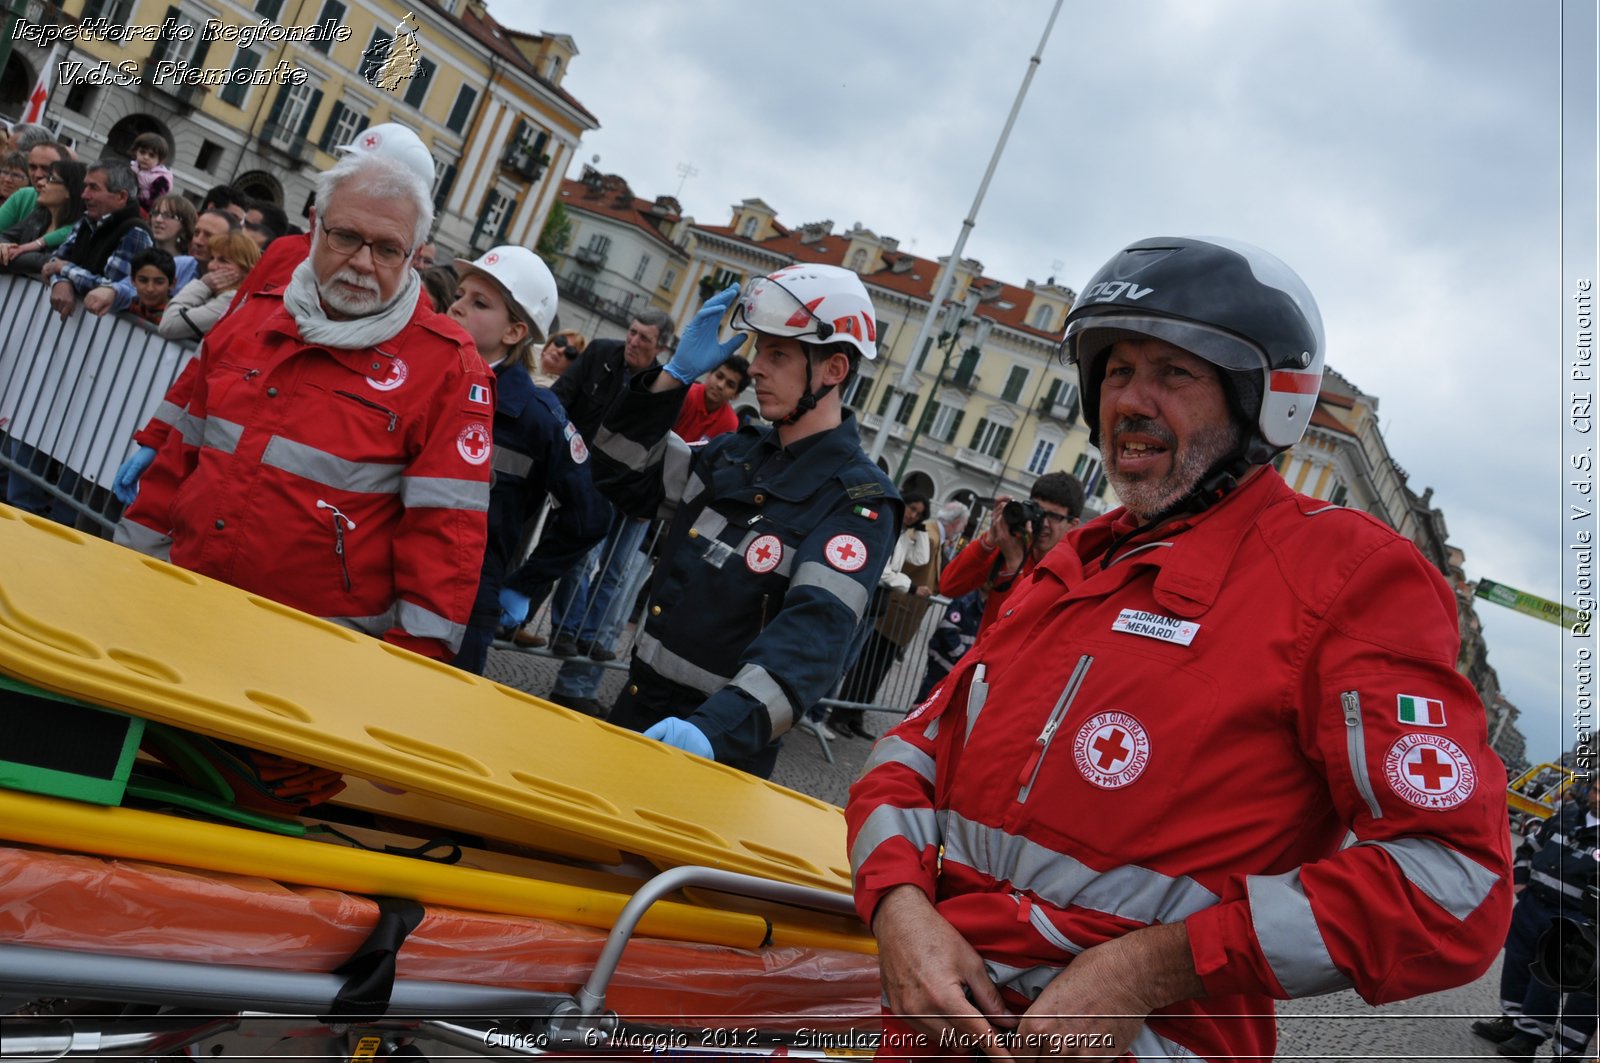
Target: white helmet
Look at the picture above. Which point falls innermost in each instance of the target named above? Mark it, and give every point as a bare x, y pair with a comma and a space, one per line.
812, 303
391, 140
524, 279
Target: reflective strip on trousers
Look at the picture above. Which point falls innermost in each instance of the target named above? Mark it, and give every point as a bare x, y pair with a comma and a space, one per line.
1286, 929
136, 536
1130, 891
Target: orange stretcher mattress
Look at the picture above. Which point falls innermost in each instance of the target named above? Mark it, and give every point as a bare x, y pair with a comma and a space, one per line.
121, 907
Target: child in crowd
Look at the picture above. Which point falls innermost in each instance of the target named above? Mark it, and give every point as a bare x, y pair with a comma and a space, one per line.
150, 152
13, 173
506, 301
153, 272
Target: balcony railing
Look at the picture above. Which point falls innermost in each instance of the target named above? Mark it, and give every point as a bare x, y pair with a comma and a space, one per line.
977, 460
520, 159
1066, 412
593, 257
286, 140
614, 304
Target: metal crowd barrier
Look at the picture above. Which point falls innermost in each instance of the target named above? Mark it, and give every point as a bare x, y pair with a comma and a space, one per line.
72, 393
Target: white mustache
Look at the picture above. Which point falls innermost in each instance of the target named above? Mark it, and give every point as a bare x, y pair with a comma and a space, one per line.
346, 275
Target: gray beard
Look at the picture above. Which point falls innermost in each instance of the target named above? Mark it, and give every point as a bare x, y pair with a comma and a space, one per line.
1146, 497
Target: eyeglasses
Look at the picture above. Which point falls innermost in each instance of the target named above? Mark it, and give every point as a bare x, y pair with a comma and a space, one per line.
563, 344
55, 179
167, 214
1057, 518
348, 242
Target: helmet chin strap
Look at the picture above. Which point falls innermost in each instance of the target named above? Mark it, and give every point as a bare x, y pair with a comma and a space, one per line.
1218, 483
809, 400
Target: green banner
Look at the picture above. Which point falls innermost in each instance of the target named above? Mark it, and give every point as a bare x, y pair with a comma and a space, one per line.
1526, 603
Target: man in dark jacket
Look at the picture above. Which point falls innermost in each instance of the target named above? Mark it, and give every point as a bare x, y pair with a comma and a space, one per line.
588, 612
101, 249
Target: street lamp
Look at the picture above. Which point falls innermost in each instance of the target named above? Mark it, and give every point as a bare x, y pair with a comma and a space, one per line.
956, 317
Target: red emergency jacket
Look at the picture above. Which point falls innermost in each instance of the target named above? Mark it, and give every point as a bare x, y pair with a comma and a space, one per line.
350, 484
973, 567
1188, 735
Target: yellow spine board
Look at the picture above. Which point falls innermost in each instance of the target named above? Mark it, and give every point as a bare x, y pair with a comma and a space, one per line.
92, 620
130, 834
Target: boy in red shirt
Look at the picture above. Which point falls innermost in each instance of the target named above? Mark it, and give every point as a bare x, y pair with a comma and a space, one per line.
708, 407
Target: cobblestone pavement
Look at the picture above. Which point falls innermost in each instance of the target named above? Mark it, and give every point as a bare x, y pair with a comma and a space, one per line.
1337, 1027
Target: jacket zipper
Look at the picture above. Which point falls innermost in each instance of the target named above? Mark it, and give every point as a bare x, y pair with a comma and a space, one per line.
1356, 746
340, 524
393, 417
1041, 744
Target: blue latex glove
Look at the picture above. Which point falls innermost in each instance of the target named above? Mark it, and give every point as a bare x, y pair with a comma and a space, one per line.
513, 608
126, 484
699, 351
684, 735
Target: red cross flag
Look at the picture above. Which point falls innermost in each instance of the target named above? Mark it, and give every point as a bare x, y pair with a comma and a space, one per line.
41, 88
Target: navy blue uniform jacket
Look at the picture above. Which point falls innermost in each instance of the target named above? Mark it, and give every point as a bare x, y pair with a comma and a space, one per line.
767, 569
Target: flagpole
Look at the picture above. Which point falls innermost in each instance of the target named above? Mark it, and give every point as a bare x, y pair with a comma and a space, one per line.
947, 278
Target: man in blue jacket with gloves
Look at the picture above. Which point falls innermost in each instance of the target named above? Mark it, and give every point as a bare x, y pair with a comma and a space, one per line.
778, 534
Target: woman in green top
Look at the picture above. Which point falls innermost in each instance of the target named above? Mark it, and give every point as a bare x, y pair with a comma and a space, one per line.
25, 246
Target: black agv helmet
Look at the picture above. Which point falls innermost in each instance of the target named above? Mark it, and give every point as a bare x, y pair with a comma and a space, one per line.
1236, 306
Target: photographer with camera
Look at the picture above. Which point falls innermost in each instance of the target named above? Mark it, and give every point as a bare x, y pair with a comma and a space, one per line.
1018, 536
1556, 872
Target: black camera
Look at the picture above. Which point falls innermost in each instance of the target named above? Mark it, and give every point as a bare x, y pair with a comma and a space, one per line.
1017, 514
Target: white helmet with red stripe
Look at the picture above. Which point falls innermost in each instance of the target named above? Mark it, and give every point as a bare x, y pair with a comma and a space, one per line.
1236, 306
812, 303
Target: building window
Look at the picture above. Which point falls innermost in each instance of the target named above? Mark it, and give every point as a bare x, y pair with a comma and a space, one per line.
1042, 318
417, 91
1087, 471
269, 9
238, 87
462, 110
857, 391
209, 155
967, 368
581, 282
1043, 451
748, 229
638, 273
669, 278
552, 71
858, 259
496, 216
1015, 382
296, 111
903, 409
942, 421
343, 125
1339, 495
184, 47
81, 98
332, 11
990, 438
443, 178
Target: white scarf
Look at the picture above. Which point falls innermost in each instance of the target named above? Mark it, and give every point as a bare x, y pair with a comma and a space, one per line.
305, 306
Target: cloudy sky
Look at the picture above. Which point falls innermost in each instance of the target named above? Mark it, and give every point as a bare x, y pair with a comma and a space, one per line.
1402, 155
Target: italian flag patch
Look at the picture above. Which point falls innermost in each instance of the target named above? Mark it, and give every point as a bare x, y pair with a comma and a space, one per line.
1424, 712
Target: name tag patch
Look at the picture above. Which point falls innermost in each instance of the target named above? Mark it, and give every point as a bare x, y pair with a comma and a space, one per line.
1156, 626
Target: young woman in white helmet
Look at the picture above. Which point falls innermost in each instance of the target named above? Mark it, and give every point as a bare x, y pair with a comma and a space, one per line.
778, 533
506, 301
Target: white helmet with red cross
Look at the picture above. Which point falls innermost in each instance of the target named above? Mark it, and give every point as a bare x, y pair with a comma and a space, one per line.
812, 303
525, 280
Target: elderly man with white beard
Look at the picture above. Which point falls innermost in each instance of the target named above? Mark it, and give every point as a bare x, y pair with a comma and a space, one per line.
335, 452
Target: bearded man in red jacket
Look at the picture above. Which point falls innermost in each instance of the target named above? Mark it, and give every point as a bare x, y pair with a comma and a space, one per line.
1118, 825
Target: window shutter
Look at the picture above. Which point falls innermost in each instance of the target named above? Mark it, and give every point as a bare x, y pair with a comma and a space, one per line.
977, 433
445, 182
92, 9
927, 416
277, 106
420, 81
200, 49
311, 112
1004, 443
164, 40
955, 425
505, 221
326, 143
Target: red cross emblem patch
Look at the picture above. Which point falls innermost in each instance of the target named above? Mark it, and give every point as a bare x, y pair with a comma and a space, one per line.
491, 258
1429, 771
473, 443
845, 553
1111, 749
764, 554
372, 140
398, 371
